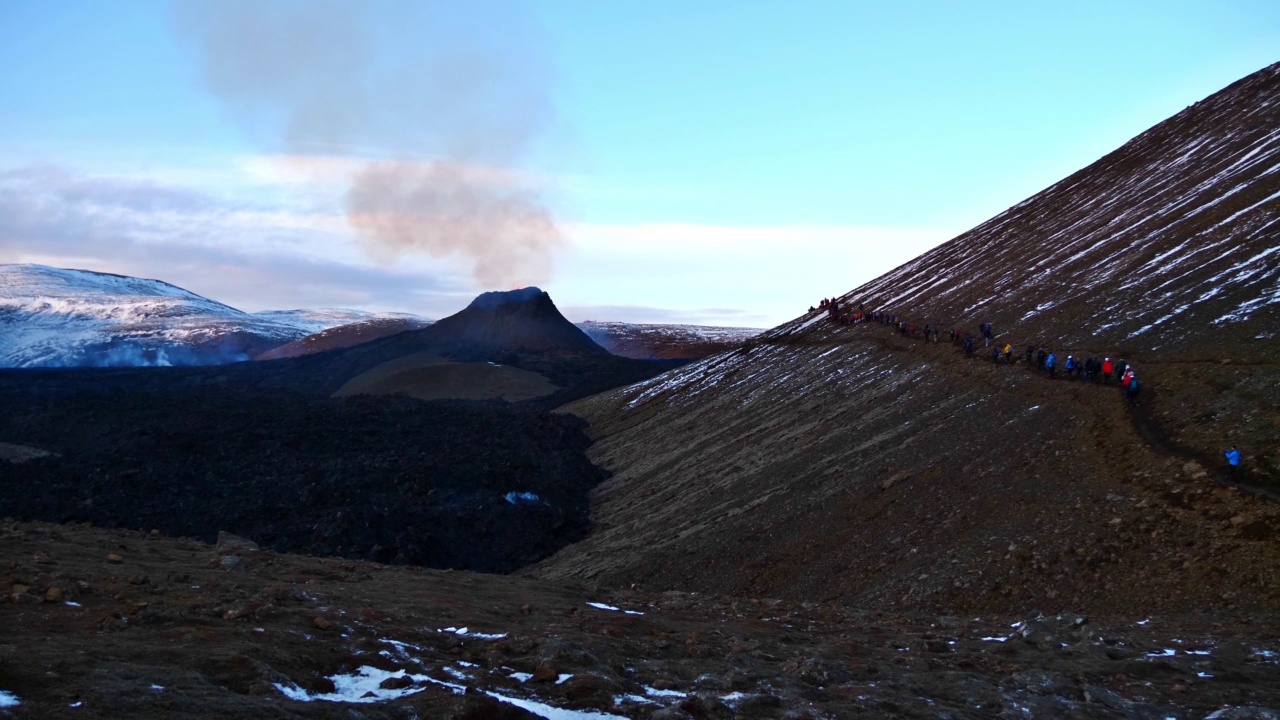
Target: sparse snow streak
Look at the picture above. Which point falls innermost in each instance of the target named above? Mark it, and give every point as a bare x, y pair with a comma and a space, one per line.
1181, 224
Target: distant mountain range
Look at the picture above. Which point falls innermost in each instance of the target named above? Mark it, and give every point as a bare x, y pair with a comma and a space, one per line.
54, 317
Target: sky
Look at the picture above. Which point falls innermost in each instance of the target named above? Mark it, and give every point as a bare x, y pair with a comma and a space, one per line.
718, 163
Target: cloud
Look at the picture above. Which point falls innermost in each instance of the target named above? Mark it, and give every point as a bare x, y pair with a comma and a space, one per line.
436, 93
771, 274
230, 251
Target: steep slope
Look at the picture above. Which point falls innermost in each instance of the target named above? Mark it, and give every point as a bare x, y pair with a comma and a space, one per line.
53, 317
853, 462
524, 319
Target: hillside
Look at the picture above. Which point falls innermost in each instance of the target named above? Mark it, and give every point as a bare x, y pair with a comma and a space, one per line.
55, 317
344, 336
855, 463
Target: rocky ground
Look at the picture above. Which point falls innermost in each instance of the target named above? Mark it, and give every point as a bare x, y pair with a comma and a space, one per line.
116, 623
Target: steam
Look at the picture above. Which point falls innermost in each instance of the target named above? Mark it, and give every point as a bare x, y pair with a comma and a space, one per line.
433, 109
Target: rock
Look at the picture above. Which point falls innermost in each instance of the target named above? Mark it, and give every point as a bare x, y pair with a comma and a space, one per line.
321, 686
42, 559
937, 646
24, 599
322, 623
231, 544
563, 653
675, 712
233, 563
397, 683
1121, 705
588, 686
544, 673
53, 595
1042, 682
706, 707
20, 588
138, 579
240, 611
114, 559
822, 673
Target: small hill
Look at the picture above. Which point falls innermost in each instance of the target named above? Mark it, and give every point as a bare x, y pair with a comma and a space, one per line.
344, 336
523, 319
860, 463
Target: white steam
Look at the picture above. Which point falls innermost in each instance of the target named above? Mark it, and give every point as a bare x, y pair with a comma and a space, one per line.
440, 101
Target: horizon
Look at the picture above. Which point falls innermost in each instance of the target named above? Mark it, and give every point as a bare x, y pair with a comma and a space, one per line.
726, 169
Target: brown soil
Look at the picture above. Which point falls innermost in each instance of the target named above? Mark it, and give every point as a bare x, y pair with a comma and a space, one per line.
108, 624
860, 466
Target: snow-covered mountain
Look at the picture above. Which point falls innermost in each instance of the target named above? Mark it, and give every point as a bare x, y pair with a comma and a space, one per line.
53, 317
646, 342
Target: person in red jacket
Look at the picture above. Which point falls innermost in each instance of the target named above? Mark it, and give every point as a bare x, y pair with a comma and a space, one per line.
1108, 367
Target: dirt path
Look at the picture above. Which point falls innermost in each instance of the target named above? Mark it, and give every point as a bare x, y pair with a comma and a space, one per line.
1140, 414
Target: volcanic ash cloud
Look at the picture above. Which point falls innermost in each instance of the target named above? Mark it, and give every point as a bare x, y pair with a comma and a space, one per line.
449, 209
455, 94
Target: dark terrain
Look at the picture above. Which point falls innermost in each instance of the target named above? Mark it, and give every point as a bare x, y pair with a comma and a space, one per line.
831, 521
388, 479
108, 624
260, 449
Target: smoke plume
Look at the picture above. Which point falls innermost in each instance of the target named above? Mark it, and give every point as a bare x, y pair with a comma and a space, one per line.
434, 103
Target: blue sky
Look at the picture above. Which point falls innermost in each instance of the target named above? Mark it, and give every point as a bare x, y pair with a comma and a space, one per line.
716, 162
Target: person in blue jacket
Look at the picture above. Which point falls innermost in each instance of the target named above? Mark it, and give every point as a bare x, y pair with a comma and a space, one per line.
1049, 364
1233, 460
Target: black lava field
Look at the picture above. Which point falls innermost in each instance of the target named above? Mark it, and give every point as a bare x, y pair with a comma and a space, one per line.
448, 484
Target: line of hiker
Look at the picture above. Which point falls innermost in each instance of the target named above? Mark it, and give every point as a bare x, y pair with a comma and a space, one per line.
1090, 369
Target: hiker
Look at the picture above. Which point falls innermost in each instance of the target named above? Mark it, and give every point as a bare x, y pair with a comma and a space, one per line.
995, 355
1040, 356
1070, 366
1049, 363
1131, 390
1233, 461
1108, 367
968, 345
1121, 365
1031, 353
1008, 353
1124, 379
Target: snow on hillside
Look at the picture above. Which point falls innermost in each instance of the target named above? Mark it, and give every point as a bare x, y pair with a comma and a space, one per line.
314, 321
678, 333
54, 317
665, 341
1174, 234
